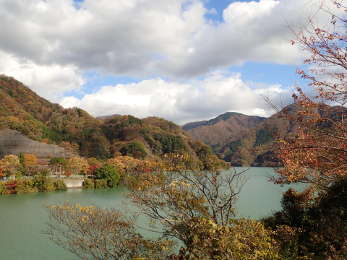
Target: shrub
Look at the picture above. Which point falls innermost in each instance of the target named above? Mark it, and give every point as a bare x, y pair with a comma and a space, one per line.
2, 187
59, 185
243, 239
312, 226
76, 165
43, 184
170, 143
101, 184
57, 161
25, 186
9, 187
263, 136
101, 234
88, 184
134, 149
10, 165
108, 173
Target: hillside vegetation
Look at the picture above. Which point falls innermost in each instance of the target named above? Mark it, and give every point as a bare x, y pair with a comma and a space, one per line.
253, 140
223, 129
74, 129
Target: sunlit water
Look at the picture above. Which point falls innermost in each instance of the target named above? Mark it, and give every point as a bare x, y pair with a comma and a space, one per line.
23, 218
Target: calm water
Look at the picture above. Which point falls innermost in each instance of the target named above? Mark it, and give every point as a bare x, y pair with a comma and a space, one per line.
23, 217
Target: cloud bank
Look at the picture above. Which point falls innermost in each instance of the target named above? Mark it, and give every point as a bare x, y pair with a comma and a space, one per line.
49, 45
150, 38
182, 102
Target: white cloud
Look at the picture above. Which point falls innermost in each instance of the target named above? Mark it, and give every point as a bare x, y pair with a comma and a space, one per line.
153, 38
70, 101
241, 13
197, 100
49, 81
49, 44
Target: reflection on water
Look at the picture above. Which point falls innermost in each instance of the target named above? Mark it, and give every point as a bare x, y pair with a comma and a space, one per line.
23, 217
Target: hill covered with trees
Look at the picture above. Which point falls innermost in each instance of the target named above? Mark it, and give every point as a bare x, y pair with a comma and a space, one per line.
251, 141
223, 129
75, 130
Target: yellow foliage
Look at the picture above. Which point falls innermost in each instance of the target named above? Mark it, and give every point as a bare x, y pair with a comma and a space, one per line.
29, 159
77, 165
10, 164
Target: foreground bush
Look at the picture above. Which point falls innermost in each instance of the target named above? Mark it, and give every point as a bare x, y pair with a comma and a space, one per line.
242, 239
94, 233
312, 228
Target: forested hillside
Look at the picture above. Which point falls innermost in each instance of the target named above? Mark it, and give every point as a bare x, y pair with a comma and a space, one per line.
23, 110
253, 141
223, 129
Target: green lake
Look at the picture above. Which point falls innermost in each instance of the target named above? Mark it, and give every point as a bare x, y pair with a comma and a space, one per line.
23, 218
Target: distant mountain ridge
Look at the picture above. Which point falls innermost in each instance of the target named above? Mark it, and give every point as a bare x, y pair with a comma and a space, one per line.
224, 128
213, 121
253, 144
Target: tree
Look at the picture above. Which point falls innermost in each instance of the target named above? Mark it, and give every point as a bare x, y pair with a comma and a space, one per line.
135, 149
318, 154
10, 165
312, 223
311, 226
242, 239
76, 165
72, 148
29, 160
1, 173
94, 233
29, 163
94, 164
175, 198
108, 173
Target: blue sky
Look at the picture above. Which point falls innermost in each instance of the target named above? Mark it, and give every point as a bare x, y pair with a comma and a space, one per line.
183, 60
219, 6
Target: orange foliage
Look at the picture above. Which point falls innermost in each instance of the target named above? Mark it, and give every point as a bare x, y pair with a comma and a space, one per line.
29, 160
318, 154
77, 165
127, 164
10, 164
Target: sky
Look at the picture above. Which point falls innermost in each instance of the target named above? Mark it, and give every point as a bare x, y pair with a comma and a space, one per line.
183, 60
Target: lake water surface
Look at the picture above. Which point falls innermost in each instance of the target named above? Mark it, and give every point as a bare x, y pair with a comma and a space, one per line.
23, 218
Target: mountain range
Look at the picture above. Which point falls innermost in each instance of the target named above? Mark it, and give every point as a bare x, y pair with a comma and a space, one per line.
74, 129
223, 129
249, 140
239, 139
